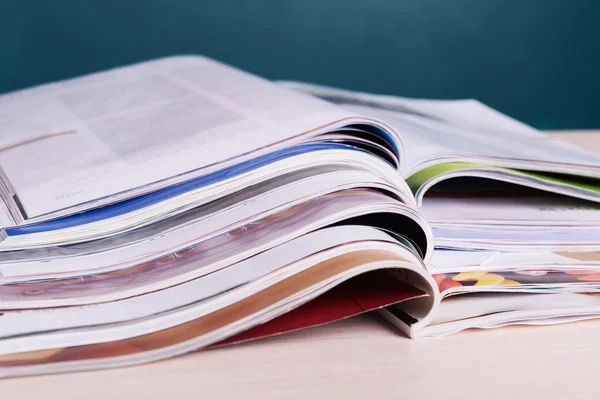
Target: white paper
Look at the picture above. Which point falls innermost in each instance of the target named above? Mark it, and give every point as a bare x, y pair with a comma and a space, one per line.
435, 131
76, 141
484, 211
187, 293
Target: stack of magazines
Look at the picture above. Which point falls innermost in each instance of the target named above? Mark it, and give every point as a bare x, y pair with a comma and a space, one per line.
160, 208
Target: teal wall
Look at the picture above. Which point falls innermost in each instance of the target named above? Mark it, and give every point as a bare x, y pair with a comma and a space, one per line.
537, 60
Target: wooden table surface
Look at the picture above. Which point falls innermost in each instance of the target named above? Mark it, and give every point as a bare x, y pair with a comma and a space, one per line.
359, 358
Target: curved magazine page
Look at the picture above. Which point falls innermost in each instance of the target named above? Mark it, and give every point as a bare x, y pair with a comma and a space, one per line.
522, 281
366, 292
511, 218
463, 239
490, 306
426, 179
455, 262
492, 310
187, 229
154, 301
211, 255
145, 127
441, 131
498, 289
493, 209
123, 217
207, 182
255, 308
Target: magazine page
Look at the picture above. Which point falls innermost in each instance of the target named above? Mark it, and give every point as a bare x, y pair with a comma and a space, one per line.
233, 232
474, 174
366, 292
184, 330
215, 246
138, 303
523, 211
458, 261
439, 131
142, 126
493, 310
138, 212
489, 289
507, 223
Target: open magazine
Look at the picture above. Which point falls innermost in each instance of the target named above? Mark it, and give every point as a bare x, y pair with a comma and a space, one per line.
159, 208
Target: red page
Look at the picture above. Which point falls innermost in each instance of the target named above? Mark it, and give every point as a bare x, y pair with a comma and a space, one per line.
363, 293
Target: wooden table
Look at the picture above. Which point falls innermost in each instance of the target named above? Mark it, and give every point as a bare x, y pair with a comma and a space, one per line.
360, 358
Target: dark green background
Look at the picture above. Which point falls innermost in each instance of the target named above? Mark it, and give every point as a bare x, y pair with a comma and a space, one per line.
537, 60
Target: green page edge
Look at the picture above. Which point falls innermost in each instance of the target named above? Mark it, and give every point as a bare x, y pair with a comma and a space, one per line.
418, 179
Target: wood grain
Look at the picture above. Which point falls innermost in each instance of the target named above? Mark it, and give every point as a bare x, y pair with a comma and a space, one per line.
360, 358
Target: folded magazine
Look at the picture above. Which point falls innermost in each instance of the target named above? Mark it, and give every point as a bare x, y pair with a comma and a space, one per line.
176, 204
